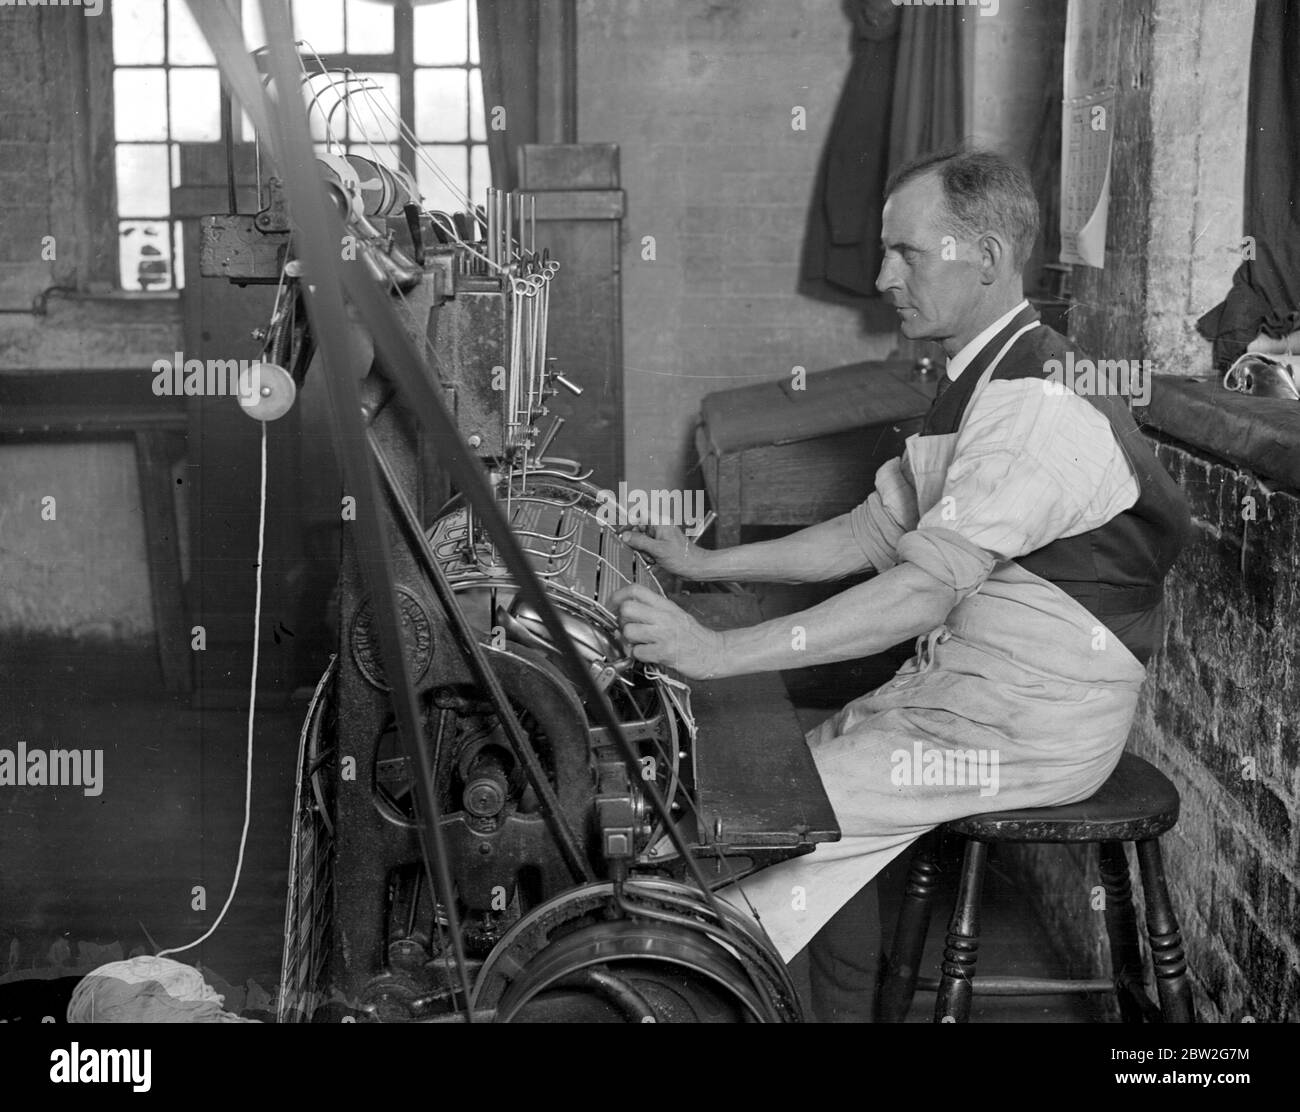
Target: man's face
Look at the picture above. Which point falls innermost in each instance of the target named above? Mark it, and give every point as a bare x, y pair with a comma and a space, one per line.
933, 281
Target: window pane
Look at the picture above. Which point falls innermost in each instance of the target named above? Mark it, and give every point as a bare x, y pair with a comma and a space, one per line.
254, 31
473, 33
196, 105
383, 153
477, 125
364, 108
370, 28
440, 104
323, 94
440, 34
142, 185
144, 254
140, 103
372, 113
137, 31
452, 162
175, 149
320, 23
186, 45
480, 173
178, 256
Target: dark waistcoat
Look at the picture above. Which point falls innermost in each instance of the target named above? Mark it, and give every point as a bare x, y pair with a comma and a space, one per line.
1115, 571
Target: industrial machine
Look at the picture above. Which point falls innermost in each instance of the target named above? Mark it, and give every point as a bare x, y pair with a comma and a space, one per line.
498, 808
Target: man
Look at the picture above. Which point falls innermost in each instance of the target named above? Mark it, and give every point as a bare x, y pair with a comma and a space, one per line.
1022, 537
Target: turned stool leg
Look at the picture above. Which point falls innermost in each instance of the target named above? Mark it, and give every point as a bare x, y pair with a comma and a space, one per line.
899, 984
1122, 930
1167, 955
959, 955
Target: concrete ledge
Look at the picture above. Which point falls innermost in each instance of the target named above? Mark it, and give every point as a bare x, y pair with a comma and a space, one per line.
1261, 435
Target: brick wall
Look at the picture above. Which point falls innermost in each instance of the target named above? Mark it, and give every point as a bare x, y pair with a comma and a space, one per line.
1221, 717
24, 158
85, 572
700, 95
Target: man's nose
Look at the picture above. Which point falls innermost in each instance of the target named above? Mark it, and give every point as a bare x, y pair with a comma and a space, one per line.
887, 279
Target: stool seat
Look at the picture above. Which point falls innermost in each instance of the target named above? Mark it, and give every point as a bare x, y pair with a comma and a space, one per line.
1137, 802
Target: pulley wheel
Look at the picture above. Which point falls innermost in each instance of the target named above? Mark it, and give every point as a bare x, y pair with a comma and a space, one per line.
658, 955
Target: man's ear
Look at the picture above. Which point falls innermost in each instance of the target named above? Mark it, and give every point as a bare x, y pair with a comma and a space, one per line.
995, 255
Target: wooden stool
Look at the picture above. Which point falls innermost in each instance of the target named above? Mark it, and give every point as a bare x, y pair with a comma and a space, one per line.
1137, 804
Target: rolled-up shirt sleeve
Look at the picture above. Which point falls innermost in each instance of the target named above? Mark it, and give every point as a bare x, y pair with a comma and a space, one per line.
886, 516
1029, 468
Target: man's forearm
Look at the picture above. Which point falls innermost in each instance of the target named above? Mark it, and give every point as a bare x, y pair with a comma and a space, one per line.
824, 551
900, 603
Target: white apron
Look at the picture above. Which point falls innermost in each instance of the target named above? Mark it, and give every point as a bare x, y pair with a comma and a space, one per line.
1020, 699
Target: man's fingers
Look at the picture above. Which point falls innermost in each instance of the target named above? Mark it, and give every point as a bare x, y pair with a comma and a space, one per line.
640, 542
635, 592
640, 633
637, 613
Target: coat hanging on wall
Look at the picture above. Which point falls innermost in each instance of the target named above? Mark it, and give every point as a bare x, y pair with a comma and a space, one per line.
902, 98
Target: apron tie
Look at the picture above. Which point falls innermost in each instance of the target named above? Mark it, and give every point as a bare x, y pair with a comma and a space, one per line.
925, 646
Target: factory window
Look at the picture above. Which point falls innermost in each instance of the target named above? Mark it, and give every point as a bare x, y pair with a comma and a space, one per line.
166, 92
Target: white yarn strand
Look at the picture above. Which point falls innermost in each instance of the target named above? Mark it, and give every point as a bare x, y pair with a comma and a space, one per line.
252, 707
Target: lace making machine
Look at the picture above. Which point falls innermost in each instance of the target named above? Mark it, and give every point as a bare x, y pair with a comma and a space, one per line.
512, 830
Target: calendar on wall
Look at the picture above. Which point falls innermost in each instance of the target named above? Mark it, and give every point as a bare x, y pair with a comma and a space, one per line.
1087, 132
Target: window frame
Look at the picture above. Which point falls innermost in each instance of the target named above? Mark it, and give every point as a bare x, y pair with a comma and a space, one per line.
99, 268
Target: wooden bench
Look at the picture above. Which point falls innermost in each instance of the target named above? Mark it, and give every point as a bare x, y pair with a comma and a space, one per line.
760, 796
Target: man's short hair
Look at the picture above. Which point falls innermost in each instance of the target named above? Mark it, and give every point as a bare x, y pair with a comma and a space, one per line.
984, 192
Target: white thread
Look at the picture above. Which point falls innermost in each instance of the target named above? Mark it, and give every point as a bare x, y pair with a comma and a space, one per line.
252, 706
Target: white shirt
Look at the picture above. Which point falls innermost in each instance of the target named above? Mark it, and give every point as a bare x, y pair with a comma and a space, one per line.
1031, 466
962, 359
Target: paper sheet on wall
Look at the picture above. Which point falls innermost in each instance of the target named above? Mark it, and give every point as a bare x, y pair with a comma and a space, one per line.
1091, 62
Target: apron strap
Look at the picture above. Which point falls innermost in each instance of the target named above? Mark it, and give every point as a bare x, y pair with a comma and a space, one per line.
988, 372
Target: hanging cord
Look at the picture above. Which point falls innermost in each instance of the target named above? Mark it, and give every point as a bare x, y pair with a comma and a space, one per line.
252, 707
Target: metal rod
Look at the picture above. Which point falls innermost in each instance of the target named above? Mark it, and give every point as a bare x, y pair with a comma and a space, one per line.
550, 434
228, 140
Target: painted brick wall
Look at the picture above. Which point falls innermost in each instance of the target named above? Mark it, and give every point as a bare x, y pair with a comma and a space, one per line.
85, 573
1174, 229
24, 159
699, 95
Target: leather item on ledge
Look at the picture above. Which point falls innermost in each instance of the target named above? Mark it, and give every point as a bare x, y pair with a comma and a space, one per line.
1263, 376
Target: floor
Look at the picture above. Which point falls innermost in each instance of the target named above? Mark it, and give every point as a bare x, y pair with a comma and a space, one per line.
86, 879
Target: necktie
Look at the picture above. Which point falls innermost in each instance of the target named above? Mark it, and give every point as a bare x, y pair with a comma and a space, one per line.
943, 383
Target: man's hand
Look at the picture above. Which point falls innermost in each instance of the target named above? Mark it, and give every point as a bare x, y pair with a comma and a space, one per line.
666, 546
660, 632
